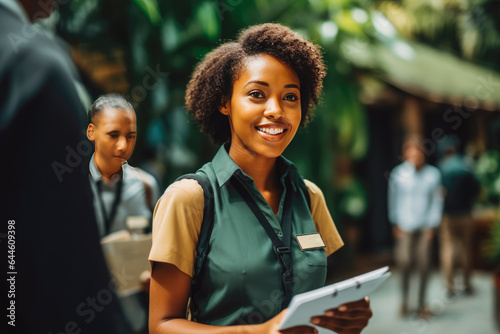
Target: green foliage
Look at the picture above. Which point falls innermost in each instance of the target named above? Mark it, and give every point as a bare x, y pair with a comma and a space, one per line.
173, 36
150, 8
491, 246
467, 28
208, 16
488, 171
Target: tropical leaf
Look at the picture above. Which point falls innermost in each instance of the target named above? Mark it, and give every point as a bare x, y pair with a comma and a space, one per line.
207, 14
150, 8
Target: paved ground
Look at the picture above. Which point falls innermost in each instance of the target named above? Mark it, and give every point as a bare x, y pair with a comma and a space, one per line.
461, 315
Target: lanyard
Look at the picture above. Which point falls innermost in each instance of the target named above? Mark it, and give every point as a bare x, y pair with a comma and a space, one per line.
118, 195
282, 246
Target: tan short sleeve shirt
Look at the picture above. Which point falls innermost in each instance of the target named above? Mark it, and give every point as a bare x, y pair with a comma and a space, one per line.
179, 213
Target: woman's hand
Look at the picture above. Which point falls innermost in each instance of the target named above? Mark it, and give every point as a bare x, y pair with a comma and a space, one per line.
348, 318
271, 327
145, 280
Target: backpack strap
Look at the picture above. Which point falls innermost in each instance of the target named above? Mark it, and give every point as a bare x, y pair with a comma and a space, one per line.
302, 185
207, 224
307, 195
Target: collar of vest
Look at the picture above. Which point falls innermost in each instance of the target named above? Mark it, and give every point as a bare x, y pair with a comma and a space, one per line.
225, 167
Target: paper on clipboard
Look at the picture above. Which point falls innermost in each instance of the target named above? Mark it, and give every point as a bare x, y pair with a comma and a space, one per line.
127, 258
306, 305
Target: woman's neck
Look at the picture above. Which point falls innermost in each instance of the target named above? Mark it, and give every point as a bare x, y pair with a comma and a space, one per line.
106, 173
262, 170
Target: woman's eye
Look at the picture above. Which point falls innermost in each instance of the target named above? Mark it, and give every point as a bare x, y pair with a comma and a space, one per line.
291, 97
131, 137
257, 95
113, 136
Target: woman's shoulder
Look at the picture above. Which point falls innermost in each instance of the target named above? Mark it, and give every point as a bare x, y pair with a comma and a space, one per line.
318, 201
322, 219
314, 190
184, 191
177, 221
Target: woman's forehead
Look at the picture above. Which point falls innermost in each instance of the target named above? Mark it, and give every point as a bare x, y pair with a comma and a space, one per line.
264, 66
115, 115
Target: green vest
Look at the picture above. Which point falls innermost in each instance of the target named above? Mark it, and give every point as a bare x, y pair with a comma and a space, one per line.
240, 282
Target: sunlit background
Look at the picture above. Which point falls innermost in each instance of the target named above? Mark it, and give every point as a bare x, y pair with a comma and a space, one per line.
395, 68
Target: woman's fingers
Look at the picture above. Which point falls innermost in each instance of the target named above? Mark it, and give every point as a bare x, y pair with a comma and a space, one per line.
361, 304
361, 320
349, 315
299, 330
342, 326
347, 318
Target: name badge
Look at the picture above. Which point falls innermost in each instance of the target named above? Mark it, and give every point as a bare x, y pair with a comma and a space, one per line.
310, 241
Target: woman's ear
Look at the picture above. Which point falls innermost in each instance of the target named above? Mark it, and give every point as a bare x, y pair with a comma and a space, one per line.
224, 108
90, 132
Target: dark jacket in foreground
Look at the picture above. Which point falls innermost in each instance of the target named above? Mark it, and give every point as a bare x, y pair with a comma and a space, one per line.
60, 282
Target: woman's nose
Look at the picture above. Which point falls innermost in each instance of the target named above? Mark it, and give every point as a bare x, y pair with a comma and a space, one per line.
274, 109
121, 145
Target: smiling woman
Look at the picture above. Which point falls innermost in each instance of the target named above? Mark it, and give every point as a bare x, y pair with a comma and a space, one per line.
251, 95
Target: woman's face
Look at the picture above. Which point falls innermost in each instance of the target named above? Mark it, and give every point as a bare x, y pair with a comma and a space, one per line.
114, 134
264, 111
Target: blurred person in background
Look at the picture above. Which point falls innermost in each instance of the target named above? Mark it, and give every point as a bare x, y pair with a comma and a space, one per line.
154, 166
415, 210
59, 281
118, 187
151, 188
456, 232
120, 191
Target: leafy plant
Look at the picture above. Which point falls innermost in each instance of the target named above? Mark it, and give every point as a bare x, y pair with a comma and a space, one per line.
488, 171
491, 246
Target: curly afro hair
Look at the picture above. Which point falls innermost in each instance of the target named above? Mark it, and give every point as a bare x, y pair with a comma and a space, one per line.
211, 84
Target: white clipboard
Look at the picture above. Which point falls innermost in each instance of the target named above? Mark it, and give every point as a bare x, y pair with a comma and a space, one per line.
308, 304
127, 258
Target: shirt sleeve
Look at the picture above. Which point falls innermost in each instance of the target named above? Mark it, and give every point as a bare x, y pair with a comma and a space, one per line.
392, 198
323, 220
177, 222
436, 203
136, 202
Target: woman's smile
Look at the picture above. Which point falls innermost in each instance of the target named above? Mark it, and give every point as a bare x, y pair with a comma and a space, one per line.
272, 132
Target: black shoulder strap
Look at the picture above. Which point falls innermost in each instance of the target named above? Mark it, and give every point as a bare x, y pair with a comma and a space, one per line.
305, 191
307, 195
281, 246
207, 223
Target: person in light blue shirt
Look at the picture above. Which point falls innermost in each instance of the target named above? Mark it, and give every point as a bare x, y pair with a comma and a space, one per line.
415, 210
